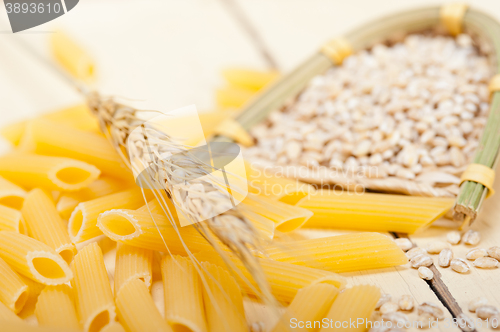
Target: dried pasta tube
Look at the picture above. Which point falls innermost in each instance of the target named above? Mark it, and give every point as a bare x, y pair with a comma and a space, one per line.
93, 295
262, 224
13, 291
184, 309
136, 309
51, 173
45, 224
309, 305
113, 327
286, 217
283, 278
354, 304
373, 212
56, 308
53, 139
11, 195
33, 259
13, 132
7, 315
342, 253
143, 229
223, 300
132, 263
83, 221
11, 220
249, 78
72, 57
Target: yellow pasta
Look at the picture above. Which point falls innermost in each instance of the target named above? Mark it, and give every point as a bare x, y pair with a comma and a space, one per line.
262, 182
183, 295
83, 221
373, 212
93, 295
71, 56
142, 229
54, 139
11, 220
113, 327
100, 187
223, 301
249, 78
14, 132
132, 263
11, 195
342, 253
283, 278
286, 217
16, 326
355, 304
137, 311
263, 225
33, 259
51, 173
309, 306
7, 315
55, 308
13, 291
233, 96
45, 224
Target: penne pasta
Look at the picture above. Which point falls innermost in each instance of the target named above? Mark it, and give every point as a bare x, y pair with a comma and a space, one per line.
33, 259
55, 308
132, 263
11, 195
289, 191
83, 220
13, 291
45, 224
183, 294
223, 300
286, 217
11, 220
100, 187
233, 97
113, 327
263, 225
137, 311
373, 212
72, 57
354, 304
249, 78
283, 278
310, 305
342, 253
16, 326
51, 173
13, 132
93, 295
7, 315
53, 139
143, 229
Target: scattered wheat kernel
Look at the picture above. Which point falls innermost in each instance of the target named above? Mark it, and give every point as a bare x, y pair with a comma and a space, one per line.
398, 318
421, 260
405, 302
436, 247
486, 311
494, 252
459, 265
495, 322
384, 298
465, 323
485, 263
476, 253
445, 257
471, 237
389, 307
415, 251
424, 320
453, 237
425, 273
476, 303
432, 309
404, 243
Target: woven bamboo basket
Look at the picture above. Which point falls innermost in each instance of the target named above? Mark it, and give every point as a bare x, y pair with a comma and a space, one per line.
452, 19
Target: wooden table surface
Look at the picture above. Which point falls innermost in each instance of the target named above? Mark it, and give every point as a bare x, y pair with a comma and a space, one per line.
167, 54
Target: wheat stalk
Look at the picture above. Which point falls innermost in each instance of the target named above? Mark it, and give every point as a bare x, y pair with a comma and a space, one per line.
198, 199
